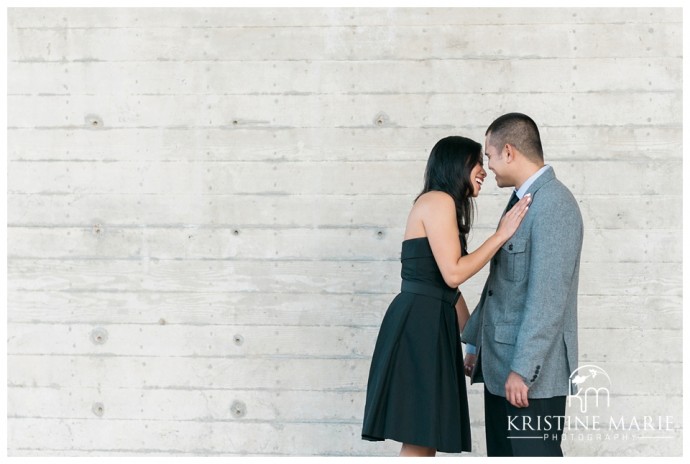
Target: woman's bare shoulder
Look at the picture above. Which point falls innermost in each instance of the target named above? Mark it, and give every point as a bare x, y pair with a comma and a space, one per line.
436, 199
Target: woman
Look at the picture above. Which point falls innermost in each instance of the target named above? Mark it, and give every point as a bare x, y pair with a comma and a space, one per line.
416, 392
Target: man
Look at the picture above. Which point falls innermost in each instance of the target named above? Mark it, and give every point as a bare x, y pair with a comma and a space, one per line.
524, 329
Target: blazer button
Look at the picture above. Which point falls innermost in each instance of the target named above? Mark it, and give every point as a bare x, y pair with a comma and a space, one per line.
491, 293
510, 247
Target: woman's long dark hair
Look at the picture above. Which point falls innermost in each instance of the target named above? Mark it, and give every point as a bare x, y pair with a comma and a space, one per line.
448, 170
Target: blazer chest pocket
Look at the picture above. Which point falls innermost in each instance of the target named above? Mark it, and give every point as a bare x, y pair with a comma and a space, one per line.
514, 259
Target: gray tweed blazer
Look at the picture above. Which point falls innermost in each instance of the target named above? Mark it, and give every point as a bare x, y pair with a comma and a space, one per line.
526, 319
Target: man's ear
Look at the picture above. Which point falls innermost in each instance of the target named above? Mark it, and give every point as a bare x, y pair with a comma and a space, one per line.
510, 152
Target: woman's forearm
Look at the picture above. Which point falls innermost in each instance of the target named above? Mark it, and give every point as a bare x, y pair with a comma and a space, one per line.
462, 312
470, 264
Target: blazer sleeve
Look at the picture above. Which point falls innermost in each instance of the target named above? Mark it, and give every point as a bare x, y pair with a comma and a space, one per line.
556, 242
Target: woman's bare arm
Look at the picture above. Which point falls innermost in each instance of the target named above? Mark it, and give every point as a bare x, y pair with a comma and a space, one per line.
440, 224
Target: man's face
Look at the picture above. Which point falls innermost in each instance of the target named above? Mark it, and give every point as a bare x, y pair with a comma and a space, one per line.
497, 163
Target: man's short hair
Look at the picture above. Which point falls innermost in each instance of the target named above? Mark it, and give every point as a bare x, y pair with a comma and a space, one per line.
519, 130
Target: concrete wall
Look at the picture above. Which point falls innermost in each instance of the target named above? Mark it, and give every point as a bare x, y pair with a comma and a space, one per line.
206, 207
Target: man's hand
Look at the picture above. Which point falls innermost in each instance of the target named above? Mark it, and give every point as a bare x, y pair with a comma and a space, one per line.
470, 361
516, 390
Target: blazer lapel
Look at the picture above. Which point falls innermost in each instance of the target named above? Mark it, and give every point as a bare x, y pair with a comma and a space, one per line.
547, 176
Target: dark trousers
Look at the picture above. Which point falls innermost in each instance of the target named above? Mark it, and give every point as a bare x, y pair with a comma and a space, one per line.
532, 431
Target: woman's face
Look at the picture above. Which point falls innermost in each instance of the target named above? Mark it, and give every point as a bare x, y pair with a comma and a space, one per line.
477, 177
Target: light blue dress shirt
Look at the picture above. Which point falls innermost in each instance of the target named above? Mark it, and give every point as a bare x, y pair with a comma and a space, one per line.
471, 349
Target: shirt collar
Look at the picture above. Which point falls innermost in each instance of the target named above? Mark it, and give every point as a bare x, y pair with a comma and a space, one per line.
528, 183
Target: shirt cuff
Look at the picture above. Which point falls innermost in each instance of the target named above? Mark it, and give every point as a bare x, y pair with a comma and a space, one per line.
470, 349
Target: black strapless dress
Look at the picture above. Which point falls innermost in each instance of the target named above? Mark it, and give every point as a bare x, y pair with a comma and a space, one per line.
416, 392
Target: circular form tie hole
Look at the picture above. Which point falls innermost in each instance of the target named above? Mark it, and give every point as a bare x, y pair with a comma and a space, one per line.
99, 336
98, 409
93, 121
381, 119
238, 409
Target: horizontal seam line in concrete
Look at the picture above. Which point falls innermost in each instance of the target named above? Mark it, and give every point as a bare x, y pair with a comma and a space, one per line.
373, 326
192, 452
211, 226
239, 420
501, 58
258, 292
297, 194
35, 322
355, 25
154, 451
295, 227
268, 357
289, 259
277, 293
488, 58
349, 357
372, 128
274, 422
241, 326
270, 227
268, 390
293, 259
677, 90
221, 129
634, 160
203, 388
472, 391
229, 127
243, 260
